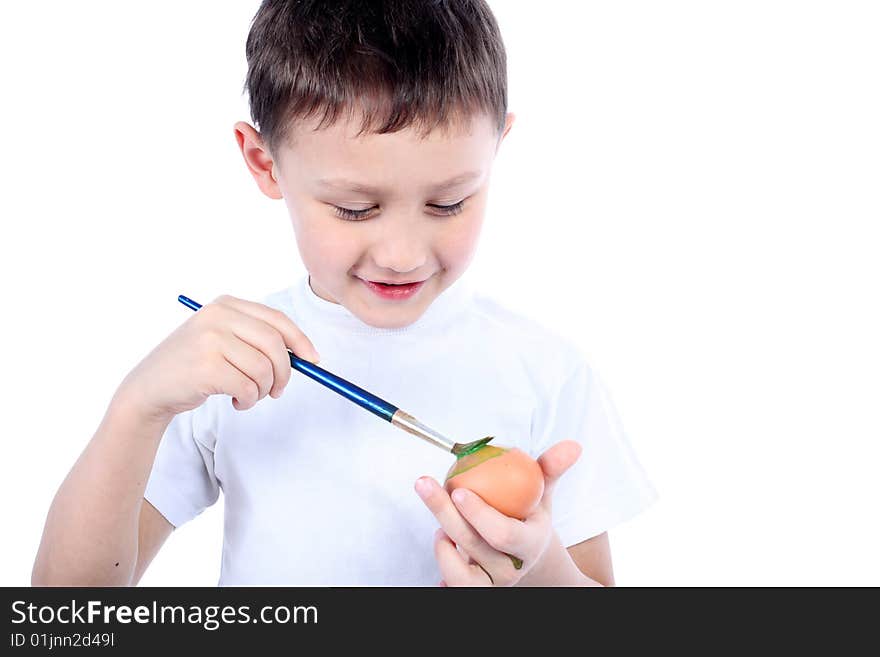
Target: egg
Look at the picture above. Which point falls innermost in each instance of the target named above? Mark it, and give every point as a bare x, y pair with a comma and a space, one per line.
506, 478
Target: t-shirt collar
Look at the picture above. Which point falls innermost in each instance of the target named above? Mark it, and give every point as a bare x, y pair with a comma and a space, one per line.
442, 311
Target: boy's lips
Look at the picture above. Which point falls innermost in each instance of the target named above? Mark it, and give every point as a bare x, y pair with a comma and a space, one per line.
392, 290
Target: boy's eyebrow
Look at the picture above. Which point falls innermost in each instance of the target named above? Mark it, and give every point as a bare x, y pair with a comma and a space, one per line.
353, 186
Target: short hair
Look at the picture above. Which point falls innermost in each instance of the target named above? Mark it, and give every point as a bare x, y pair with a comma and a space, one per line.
401, 63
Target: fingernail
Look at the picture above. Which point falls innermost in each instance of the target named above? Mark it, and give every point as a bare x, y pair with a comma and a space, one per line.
459, 495
423, 487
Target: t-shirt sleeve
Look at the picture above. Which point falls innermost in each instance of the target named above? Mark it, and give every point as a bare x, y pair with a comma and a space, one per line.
607, 485
182, 483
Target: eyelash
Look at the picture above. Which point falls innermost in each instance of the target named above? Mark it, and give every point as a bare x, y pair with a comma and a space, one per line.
358, 215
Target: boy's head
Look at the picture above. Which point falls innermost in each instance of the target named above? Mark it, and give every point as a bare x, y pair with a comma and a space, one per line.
378, 124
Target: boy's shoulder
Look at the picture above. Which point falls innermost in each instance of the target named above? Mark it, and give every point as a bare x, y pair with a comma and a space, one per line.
528, 335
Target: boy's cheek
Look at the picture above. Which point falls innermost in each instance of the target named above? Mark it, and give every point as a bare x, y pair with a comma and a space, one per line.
323, 240
457, 244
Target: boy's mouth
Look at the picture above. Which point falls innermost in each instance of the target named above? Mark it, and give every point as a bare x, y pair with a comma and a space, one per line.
396, 283
393, 291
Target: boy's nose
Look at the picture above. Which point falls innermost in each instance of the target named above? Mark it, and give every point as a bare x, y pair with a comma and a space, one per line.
401, 254
401, 266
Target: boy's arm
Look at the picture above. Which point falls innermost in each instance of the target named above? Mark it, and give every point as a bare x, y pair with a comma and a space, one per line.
587, 563
153, 530
99, 530
593, 559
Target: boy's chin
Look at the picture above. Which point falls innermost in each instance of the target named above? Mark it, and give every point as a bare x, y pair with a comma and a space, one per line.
395, 318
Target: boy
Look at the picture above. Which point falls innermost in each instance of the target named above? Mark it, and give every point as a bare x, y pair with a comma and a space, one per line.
378, 125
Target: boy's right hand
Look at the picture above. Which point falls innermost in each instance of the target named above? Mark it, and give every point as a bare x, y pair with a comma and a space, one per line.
229, 346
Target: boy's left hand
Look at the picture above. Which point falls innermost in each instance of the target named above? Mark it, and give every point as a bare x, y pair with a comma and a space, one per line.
487, 537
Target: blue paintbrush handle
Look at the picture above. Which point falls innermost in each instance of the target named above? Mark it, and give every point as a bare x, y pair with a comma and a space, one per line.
359, 396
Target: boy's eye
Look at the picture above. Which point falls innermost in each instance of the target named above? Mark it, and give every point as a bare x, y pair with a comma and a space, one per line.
357, 215
455, 208
353, 215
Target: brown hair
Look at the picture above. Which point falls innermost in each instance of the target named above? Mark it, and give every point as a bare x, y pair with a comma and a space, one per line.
399, 62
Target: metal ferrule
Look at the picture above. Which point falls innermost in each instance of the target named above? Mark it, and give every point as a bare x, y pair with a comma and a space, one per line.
411, 425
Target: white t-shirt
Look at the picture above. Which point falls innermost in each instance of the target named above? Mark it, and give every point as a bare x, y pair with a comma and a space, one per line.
319, 492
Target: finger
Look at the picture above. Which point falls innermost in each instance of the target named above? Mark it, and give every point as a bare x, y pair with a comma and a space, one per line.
458, 529
263, 337
473, 564
501, 532
252, 362
238, 385
554, 462
225, 319
293, 337
454, 568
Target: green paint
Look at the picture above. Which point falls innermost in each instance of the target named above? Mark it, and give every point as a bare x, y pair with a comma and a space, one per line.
471, 450
480, 455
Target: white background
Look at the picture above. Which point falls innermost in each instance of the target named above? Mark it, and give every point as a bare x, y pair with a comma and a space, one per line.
690, 191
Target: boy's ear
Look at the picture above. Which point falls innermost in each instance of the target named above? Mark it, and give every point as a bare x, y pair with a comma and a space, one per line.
257, 159
508, 124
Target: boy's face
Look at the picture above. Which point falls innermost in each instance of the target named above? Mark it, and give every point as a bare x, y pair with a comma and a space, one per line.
394, 207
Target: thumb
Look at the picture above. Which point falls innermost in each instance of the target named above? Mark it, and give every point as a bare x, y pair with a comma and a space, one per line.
555, 461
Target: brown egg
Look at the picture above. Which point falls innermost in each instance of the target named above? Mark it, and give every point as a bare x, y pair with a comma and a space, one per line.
506, 478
